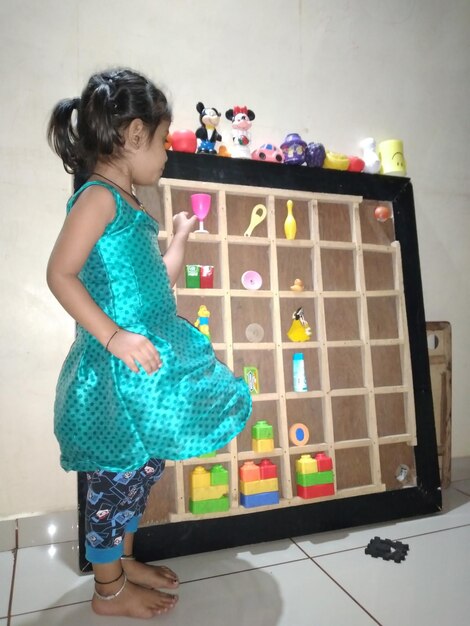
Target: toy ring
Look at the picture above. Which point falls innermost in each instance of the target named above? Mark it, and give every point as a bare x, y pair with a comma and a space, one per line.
298, 434
257, 216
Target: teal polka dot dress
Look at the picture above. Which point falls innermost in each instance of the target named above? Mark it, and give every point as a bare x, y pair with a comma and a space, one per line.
108, 417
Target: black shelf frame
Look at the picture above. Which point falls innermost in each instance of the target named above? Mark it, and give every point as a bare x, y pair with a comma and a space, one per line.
181, 538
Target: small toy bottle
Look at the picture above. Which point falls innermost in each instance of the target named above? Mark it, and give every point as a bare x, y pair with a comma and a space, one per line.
298, 368
290, 225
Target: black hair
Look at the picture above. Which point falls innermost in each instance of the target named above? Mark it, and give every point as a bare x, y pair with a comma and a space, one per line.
108, 104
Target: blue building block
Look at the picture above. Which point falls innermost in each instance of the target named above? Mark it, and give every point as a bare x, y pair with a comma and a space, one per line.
259, 499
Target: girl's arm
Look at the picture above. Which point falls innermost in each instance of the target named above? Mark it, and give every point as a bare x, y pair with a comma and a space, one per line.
174, 256
83, 226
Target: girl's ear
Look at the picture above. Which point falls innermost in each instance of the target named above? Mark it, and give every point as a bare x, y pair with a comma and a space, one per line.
135, 133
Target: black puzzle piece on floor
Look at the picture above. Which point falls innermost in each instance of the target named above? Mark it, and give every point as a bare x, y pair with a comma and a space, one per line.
387, 549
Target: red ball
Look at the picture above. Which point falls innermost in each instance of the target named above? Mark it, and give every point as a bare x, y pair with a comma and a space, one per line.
382, 213
183, 141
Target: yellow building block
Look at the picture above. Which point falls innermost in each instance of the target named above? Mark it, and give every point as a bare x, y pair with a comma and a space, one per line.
208, 493
306, 464
262, 445
200, 477
259, 486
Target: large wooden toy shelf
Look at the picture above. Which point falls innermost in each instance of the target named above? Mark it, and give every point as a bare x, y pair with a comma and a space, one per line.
359, 407
369, 402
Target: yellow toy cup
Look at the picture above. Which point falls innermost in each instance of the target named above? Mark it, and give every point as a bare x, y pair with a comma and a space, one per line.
391, 157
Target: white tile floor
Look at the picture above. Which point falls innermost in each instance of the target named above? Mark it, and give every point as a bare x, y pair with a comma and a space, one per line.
319, 579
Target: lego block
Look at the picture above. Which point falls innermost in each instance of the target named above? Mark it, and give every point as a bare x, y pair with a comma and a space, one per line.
217, 505
259, 499
324, 462
219, 475
317, 478
262, 445
306, 464
316, 491
208, 493
259, 486
267, 469
200, 477
262, 430
208, 455
249, 471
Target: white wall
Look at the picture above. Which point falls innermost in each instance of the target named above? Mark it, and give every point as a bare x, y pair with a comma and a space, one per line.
333, 71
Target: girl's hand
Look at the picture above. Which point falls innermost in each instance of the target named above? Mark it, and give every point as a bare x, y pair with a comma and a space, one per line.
183, 224
132, 348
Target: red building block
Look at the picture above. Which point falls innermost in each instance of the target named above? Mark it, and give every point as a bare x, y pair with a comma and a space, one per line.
324, 462
267, 469
316, 491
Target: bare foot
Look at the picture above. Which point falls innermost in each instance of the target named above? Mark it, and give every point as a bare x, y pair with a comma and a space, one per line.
133, 601
151, 576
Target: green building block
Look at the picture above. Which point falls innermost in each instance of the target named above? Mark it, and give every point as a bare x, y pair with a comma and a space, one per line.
262, 430
208, 455
219, 475
317, 478
199, 507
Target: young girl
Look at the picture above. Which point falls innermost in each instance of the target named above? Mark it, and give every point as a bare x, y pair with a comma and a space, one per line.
140, 384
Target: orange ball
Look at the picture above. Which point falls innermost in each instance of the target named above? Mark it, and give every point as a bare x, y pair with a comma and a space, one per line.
382, 213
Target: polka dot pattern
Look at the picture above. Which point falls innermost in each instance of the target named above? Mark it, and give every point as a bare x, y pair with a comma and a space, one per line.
109, 418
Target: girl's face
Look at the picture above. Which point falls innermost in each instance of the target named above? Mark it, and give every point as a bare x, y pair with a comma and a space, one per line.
150, 157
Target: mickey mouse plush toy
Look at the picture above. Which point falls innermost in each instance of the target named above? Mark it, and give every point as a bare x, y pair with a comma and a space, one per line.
207, 134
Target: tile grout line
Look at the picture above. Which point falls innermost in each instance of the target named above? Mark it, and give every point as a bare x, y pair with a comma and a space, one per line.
13, 573
50, 608
346, 592
337, 584
399, 538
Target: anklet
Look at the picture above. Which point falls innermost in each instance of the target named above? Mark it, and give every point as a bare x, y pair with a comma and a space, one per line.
111, 581
113, 595
127, 557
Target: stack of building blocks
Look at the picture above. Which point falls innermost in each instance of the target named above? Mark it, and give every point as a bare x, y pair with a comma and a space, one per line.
314, 476
259, 484
262, 437
209, 490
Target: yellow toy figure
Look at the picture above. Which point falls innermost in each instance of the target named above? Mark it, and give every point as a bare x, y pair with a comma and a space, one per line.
290, 225
202, 321
299, 329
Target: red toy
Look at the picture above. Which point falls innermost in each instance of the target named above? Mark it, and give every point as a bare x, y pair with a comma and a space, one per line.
382, 213
356, 164
183, 141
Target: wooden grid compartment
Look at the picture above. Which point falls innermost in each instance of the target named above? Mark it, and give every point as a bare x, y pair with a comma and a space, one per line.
359, 407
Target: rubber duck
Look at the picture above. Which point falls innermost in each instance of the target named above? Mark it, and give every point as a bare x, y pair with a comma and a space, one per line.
202, 322
298, 285
299, 329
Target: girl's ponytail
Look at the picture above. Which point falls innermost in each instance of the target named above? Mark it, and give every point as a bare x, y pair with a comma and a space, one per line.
97, 127
62, 134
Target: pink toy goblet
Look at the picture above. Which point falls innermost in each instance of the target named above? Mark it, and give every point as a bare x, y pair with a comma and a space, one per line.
201, 204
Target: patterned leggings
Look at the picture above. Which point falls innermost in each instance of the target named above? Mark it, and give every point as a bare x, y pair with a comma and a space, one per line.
115, 503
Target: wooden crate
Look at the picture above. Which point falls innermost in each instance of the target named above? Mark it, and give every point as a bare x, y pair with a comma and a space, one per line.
440, 363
